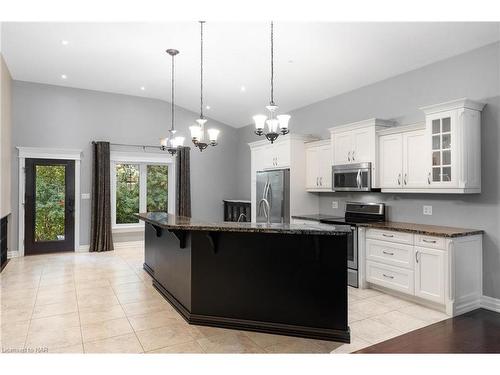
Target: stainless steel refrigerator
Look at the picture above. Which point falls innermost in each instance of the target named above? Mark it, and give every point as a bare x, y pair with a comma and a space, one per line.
273, 188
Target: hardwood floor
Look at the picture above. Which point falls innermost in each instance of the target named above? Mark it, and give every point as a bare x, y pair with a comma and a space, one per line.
475, 332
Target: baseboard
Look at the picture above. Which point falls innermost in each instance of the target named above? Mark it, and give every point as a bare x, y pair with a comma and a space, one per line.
12, 254
490, 303
83, 249
128, 244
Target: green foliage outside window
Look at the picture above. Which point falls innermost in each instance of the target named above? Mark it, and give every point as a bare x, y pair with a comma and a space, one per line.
50, 190
127, 193
157, 188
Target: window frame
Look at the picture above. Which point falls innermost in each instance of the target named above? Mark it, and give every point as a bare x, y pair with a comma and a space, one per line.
143, 159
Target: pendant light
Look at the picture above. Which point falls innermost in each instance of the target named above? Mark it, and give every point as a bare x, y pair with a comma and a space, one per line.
171, 142
276, 124
198, 135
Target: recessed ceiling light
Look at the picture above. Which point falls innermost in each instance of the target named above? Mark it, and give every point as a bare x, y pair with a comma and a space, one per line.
64, 76
64, 42
243, 89
207, 107
143, 88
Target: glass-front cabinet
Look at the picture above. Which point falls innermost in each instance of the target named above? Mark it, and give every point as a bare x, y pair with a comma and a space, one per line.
441, 145
453, 146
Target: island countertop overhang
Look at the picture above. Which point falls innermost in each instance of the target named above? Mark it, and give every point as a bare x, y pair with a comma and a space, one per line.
174, 222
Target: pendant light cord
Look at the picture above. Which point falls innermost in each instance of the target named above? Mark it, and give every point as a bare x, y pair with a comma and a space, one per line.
201, 69
172, 101
272, 64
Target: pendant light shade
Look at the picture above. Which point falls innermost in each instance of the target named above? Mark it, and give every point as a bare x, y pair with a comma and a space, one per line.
276, 125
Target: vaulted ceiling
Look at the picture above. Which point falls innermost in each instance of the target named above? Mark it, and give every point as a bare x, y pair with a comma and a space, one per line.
313, 61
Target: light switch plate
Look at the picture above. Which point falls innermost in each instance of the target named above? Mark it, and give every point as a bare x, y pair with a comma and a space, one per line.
85, 195
427, 210
335, 204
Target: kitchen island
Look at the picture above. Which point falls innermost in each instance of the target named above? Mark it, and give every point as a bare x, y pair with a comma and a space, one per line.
276, 278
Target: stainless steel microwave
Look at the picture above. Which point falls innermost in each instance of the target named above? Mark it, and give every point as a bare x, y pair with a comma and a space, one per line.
352, 177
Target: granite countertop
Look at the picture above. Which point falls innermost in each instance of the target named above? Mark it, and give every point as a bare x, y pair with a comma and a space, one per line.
169, 221
425, 229
312, 217
428, 230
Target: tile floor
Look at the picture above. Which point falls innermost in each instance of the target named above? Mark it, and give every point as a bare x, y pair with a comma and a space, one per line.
104, 303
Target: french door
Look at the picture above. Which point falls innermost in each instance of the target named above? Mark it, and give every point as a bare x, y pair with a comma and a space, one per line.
49, 206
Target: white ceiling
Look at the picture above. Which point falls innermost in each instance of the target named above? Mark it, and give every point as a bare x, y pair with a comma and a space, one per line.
313, 61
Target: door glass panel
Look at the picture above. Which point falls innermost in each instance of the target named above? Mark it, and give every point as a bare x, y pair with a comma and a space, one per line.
127, 193
446, 141
447, 157
435, 142
446, 174
157, 188
446, 125
436, 158
435, 127
50, 191
436, 174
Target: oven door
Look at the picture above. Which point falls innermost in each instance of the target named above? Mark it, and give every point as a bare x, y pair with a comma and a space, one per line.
351, 177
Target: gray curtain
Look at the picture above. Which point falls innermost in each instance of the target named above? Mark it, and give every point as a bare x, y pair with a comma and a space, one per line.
183, 182
100, 233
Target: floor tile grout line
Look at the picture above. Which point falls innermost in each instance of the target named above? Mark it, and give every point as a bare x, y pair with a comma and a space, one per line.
33, 308
79, 318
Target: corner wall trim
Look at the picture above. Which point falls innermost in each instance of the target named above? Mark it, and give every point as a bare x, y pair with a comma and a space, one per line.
83, 249
490, 303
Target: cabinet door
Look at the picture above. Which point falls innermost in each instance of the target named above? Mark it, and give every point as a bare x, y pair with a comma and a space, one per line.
267, 159
312, 168
429, 274
281, 154
414, 165
325, 167
362, 145
342, 148
391, 161
441, 141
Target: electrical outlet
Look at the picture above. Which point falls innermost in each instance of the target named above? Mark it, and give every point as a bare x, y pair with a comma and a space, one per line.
85, 195
427, 210
335, 204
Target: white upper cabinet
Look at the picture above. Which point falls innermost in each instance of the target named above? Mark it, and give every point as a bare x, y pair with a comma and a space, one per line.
402, 165
357, 143
453, 146
319, 166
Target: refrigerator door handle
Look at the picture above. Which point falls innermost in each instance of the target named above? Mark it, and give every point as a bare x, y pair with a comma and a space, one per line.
269, 197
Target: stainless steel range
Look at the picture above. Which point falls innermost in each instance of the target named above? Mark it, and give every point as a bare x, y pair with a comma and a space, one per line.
356, 213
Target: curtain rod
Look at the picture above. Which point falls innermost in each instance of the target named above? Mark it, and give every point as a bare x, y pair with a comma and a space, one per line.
130, 145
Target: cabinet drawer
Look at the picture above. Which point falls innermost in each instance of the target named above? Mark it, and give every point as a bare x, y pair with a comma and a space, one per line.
396, 278
430, 241
390, 253
388, 235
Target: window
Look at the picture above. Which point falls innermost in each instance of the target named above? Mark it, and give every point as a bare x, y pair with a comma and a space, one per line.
140, 183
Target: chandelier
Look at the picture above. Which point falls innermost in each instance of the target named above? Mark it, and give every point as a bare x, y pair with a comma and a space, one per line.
276, 124
171, 142
198, 135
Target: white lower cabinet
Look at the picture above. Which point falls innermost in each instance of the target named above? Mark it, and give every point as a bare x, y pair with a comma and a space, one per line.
437, 271
429, 274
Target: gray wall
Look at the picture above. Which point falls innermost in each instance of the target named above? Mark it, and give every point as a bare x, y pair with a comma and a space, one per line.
474, 75
53, 116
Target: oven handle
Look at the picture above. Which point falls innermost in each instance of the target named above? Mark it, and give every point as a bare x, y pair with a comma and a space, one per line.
358, 179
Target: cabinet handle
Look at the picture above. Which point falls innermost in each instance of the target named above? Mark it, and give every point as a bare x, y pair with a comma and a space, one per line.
429, 178
388, 276
349, 156
387, 252
352, 156
406, 179
321, 181
317, 183
399, 179
428, 241
387, 235
416, 256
